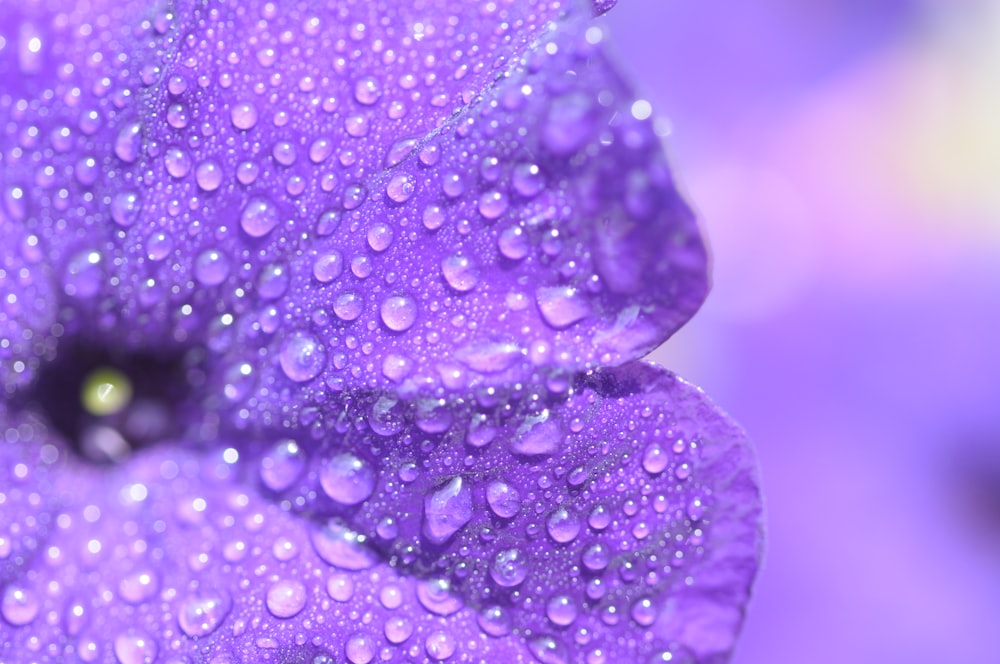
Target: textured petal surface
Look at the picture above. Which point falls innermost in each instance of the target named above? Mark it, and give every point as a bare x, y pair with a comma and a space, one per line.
363, 196
626, 526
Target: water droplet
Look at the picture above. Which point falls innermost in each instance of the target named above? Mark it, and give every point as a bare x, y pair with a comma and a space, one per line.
643, 612
563, 526
435, 595
528, 180
495, 621
282, 466
399, 151
503, 499
513, 243
509, 568
366, 91
401, 187
538, 435
243, 115
340, 587
208, 175
177, 116
211, 267
129, 142
177, 161
87, 171
139, 586
561, 610
135, 647
259, 217
655, 458
547, 650
492, 204
200, 615
432, 217
399, 312
561, 306
360, 649
302, 357
398, 629
284, 153
439, 645
460, 273
158, 246
348, 306
447, 510
286, 598
356, 125
342, 547
380, 236
596, 557
83, 275
125, 208
328, 266
19, 605
272, 282
347, 479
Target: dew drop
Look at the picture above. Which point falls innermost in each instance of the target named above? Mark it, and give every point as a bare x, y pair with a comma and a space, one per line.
366, 91
643, 612
492, 204
538, 435
208, 175
561, 306
347, 479
125, 208
259, 217
282, 465
201, 614
401, 187
211, 267
328, 266
513, 243
569, 124
509, 568
528, 180
380, 236
460, 273
399, 312
447, 510
436, 596
286, 598
83, 275
243, 115
439, 645
563, 526
341, 547
398, 629
284, 153
561, 610
495, 621
135, 647
320, 150
360, 649
177, 161
19, 605
596, 557
348, 306
503, 499
655, 458
129, 142
138, 586
158, 246
302, 357
272, 282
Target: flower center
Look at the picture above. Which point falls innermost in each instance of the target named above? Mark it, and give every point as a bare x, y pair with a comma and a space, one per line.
107, 403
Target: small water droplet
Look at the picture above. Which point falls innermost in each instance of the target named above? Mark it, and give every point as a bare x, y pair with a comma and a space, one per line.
125, 208
129, 142
439, 645
366, 91
596, 557
208, 175
563, 526
495, 621
528, 180
272, 282
320, 150
655, 458
348, 306
460, 273
211, 267
284, 153
401, 187
513, 243
398, 629
177, 161
19, 605
492, 204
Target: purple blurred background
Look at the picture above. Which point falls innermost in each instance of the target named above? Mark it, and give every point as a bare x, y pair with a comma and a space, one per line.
844, 156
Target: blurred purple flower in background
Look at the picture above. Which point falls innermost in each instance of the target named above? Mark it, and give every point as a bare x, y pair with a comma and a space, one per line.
844, 156
320, 341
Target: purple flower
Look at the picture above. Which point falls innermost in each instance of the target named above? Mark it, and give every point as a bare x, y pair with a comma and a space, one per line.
354, 297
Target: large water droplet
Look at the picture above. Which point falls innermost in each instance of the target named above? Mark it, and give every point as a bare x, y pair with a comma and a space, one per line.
200, 615
492, 204
561, 610
360, 649
129, 142
439, 645
401, 187
460, 273
302, 356
125, 208
561, 306
83, 275
139, 586
503, 499
348, 306
211, 267
366, 91
177, 161
538, 435
528, 180
328, 266
563, 526
272, 282
282, 465
495, 621
208, 175
436, 596
513, 243
399, 312
19, 605
286, 598
509, 567
135, 647
243, 115
446, 510
398, 629
342, 547
259, 217
347, 479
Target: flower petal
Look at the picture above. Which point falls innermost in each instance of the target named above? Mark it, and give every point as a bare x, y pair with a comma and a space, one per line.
620, 521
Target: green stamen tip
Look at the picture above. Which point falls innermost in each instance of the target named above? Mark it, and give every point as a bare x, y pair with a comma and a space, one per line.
106, 392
